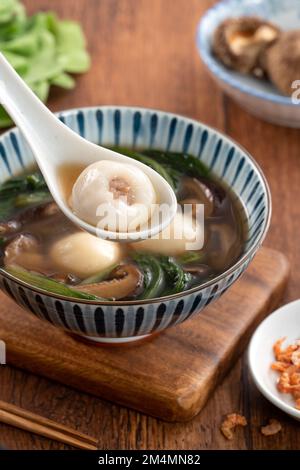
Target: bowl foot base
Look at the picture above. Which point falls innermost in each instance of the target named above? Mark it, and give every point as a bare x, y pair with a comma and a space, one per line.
111, 341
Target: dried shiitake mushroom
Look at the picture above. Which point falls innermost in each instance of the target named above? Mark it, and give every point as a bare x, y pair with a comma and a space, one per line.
124, 281
238, 42
282, 61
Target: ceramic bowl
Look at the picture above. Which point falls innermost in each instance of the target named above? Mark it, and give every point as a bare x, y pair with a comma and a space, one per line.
122, 321
259, 97
284, 322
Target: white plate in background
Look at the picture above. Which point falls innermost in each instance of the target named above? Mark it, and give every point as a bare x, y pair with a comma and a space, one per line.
284, 322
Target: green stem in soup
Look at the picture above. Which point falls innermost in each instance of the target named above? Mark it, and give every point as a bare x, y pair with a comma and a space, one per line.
38, 197
36, 182
26, 183
48, 284
190, 257
182, 162
7, 207
101, 276
154, 275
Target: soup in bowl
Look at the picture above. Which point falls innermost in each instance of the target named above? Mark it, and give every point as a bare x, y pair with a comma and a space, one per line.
109, 291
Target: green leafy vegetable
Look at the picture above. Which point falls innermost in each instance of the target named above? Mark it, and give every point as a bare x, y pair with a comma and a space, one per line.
35, 181
18, 62
49, 285
154, 276
162, 275
21, 191
41, 48
176, 278
41, 89
101, 276
5, 120
6, 207
18, 184
190, 257
63, 80
24, 200
70, 46
9, 11
183, 162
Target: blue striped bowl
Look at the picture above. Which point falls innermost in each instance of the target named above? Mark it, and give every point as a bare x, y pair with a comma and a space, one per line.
113, 125
259, 97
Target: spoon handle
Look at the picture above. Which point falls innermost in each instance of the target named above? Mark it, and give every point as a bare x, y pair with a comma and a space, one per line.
36, 122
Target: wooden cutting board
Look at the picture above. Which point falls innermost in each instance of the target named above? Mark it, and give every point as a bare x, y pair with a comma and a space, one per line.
170, 376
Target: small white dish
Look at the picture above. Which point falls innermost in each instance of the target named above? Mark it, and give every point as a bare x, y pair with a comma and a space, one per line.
284, 322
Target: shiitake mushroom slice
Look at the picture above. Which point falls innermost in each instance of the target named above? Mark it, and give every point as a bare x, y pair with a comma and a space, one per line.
239, 42
221, 244
9, 227
201, 271
23, 242
70, 279
202, 191
123, 282
193, 191
282, 61
39, 212
23, 250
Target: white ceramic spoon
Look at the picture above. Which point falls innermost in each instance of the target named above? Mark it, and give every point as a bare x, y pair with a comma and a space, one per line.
54, 144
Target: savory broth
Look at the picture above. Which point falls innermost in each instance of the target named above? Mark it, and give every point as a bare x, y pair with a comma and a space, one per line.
67, 175
41, 246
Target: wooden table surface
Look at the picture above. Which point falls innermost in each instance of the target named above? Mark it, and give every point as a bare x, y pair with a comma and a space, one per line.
144, 53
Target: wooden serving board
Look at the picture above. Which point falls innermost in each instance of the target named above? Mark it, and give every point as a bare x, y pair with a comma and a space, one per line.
170, 376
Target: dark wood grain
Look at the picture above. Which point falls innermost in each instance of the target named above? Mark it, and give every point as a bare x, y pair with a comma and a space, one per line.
144, 54
170, 376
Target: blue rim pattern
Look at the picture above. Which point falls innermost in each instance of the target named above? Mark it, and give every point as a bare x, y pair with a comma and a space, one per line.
115, 321
225, 8
112, 125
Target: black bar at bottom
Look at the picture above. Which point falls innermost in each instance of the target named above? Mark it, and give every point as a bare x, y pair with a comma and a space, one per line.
134, 459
